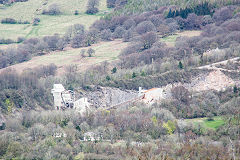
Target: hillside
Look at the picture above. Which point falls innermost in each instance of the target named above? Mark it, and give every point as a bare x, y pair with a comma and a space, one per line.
104, 52
49, 25
121, 79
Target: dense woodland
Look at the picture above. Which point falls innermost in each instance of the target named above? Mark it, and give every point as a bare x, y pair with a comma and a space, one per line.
138, 131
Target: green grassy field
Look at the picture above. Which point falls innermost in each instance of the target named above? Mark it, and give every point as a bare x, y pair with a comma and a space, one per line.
206, 124
216, 123
49, 24
170, 40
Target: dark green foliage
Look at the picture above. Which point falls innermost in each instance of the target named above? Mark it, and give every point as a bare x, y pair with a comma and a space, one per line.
6, 41
114, 70
134, 75
180, 65
9, 21
200, 9
76, 12
235, 89
64, 122
108, 78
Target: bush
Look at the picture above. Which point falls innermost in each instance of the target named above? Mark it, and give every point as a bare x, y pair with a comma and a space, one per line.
106, 35
157, 20
116, 22
6, 41
52, 10
92, 11
129, 24
101, 25
119, 32
148, 39
92, 6
76, 12
90, 52
78, 41
181, 94
20, 39
111, 3
127, 36
145, 27
36, 21
8, 21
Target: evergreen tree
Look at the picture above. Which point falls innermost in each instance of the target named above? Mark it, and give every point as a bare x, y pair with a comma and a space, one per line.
134, 75
108, 78
169, 14
176, 13
180, 65
114, 70
235, 89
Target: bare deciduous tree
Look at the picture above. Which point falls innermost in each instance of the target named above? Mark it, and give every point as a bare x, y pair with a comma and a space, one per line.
92, 6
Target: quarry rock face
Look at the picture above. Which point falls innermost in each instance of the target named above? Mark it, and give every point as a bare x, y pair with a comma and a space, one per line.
107, 97
215, 80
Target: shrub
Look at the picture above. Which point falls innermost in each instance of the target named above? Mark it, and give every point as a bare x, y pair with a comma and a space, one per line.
106, 35
76, 12
20, 39
114, 70
181, 94
163, 29
8, 21
148, 39
36, 21
24, 22
145, 27
78, 41
129, 24
111, 3
193, 22
157, 20
53, 9
223, 14
101, 25
90, 52
116, 22
6, 41
119, 32
127, 36
207, 20
92, 6
91, 37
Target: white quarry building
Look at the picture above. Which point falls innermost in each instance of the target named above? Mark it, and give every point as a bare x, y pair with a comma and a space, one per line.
64, 99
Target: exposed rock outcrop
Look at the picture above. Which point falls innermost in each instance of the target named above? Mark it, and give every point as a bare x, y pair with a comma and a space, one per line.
107, 97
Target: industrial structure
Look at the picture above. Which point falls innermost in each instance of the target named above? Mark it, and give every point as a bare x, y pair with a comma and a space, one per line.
65, 99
